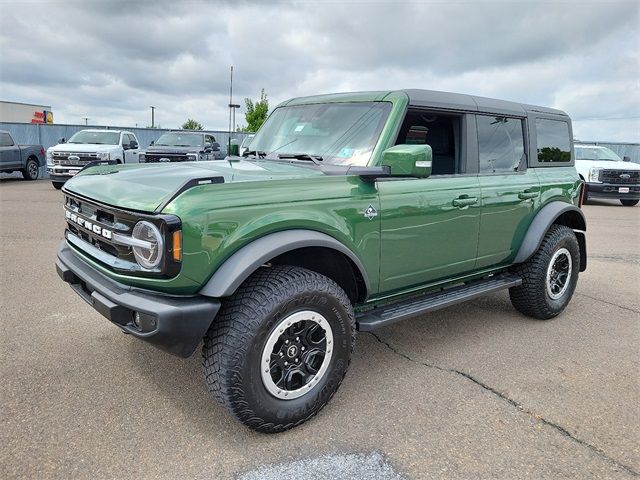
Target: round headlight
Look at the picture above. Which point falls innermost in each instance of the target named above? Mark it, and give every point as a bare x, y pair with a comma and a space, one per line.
148, 256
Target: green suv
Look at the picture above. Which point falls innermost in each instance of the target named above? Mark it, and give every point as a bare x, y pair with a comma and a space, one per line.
347, 212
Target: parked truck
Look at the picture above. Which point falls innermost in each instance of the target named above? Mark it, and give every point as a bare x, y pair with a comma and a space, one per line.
26, 159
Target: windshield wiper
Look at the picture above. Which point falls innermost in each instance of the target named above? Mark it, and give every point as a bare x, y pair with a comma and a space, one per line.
302, 156
255, 153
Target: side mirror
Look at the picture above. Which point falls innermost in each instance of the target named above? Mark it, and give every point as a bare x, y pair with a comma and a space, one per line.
133, 144
152, 142
216, 146
626, 159
234, 148
62, 140
408, 160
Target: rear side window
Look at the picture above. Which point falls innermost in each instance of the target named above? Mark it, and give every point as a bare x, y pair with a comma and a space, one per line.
5, 140
554, 143
500, 143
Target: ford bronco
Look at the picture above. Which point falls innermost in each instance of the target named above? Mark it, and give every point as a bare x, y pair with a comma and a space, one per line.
347, 212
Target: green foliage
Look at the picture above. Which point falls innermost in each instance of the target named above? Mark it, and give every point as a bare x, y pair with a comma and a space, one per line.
191, 124
256, 112
553, 154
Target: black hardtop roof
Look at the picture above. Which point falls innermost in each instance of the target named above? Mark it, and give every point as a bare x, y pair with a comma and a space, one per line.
461, 101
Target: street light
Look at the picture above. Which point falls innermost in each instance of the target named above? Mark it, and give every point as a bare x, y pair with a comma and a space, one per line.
153, 109
86, 120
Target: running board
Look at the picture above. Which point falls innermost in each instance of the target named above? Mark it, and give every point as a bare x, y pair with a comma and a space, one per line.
388, 314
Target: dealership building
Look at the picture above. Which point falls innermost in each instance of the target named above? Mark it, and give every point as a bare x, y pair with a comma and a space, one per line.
15, 112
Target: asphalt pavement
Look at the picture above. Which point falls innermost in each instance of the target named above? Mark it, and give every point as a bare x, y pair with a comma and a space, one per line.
473, 391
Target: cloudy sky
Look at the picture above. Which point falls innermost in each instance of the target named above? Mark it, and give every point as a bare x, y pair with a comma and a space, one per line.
111, 60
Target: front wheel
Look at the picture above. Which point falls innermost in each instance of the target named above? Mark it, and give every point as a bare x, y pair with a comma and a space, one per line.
279, 348
550, 276
629, 203
31, 169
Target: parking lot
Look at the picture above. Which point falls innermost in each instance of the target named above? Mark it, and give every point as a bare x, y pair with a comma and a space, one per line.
473, 391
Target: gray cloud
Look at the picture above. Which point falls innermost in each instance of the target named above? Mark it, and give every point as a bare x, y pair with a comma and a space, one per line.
111, 60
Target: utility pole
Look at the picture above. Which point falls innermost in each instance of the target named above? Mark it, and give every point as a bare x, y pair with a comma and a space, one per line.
230, 109
86, 120
153, 121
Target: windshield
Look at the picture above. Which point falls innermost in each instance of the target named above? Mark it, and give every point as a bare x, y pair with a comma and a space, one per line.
339, 133
596, 153
174, 139
95, 138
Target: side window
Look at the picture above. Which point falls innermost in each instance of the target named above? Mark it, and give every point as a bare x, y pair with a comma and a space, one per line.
5, 140
554, 144
441, 132
500, 143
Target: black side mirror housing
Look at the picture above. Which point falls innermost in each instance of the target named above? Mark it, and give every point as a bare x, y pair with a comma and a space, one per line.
152, 142
133, 144
62, 140
626, 159
216, 146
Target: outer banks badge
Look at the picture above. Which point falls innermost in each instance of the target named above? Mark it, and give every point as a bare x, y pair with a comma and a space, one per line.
370, 212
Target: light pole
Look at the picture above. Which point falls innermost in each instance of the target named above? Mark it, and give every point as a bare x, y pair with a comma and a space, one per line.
231, 109
153, 122
86, 120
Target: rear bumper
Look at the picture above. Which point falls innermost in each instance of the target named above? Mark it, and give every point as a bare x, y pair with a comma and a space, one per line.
609, 190
174, 324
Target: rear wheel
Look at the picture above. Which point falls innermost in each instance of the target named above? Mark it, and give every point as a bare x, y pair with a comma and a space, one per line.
550, 276
629, 203
57, 185
279, 348
31, 169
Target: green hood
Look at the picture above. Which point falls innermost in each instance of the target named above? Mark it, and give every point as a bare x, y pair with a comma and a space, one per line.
144, 187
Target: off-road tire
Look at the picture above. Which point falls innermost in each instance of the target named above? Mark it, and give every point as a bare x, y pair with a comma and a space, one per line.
233, 346
57, 185
629, 203
31, 169
532, 298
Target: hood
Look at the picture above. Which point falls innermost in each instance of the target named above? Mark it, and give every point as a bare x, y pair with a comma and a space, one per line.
607, 164
82, 147
144, 187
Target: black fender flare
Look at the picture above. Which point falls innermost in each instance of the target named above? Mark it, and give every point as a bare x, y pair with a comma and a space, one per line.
239, 266
541, 223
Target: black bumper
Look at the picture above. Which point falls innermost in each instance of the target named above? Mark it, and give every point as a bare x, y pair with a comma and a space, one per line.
59, 178
174, 324
609, 190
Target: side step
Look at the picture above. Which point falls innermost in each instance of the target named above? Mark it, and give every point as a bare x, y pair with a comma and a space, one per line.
392, 313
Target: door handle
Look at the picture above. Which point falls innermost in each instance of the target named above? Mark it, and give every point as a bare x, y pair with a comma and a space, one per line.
527, 195
464, 201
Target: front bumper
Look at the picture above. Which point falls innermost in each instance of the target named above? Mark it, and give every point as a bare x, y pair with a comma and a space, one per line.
61, 174
174, 324
609, 190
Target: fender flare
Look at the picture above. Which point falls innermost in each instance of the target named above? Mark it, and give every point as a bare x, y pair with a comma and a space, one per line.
540, 225
239, 266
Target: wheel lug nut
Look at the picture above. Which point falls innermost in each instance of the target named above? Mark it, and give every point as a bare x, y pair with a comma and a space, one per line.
297, 339
297, 360
286, 363
281, 354
302, 348
286, 341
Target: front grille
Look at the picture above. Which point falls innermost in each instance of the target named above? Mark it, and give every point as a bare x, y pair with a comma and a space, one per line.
620, 177
173, 157
77, 158
106, 223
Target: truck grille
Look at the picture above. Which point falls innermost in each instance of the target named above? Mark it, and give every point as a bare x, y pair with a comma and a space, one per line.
173, 157
620, 177
74, 158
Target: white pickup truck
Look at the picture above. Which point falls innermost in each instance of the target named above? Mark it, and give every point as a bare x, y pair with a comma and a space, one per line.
68, 158
607, 175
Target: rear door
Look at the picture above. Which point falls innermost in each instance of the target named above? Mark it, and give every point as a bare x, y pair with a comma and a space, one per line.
429, 227
510, 192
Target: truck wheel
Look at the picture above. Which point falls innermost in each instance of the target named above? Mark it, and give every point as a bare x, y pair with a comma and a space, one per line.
57, 185
549, 277
279, 348
31, 169
629, 203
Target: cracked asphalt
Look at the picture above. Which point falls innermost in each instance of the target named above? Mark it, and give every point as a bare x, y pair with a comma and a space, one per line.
473, 391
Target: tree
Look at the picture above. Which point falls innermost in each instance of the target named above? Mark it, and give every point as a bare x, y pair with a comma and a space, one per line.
256, 113
191, 124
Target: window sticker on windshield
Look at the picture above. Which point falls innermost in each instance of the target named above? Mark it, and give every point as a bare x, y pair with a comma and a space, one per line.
299, 128
346, 152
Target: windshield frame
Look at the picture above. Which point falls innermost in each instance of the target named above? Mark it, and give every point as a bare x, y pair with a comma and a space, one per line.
107, 134
365, 131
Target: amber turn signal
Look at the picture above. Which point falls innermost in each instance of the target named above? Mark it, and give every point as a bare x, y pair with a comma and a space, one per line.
177, 245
